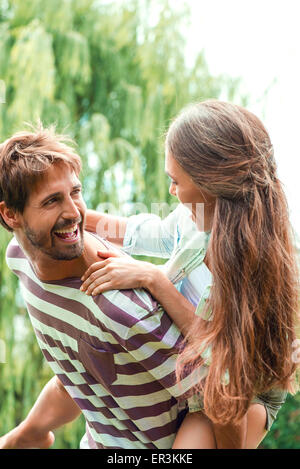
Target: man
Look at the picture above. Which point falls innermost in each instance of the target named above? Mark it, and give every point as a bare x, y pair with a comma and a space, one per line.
115, 353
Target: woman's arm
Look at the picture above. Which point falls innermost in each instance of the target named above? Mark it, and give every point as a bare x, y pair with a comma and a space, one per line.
174, 303
53, 408
111, 227
145, 234
120, 272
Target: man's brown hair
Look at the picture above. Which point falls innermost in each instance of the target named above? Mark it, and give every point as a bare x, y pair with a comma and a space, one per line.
24, 159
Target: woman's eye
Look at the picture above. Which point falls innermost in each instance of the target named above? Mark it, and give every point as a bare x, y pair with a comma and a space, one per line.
174, 183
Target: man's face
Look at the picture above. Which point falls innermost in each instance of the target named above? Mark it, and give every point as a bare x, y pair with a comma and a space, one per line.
53, 219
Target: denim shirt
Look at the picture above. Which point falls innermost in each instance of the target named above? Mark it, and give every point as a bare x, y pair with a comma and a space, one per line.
175, 238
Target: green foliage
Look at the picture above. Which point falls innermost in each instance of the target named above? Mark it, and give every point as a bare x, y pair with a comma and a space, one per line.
111, 76
285, 430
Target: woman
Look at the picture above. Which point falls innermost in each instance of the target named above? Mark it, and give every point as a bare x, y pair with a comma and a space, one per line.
220, 155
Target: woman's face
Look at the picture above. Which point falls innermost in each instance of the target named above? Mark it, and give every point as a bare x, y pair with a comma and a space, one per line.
200, 202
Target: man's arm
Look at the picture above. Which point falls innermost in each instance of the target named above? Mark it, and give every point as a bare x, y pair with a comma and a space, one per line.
53, 408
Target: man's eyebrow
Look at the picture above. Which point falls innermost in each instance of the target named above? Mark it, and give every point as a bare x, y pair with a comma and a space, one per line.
56, 194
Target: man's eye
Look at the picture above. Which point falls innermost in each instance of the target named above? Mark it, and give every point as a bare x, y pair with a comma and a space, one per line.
51, 201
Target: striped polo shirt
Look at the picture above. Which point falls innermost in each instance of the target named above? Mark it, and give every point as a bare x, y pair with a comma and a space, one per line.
114, 353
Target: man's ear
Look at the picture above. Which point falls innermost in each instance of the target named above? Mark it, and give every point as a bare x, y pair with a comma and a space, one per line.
10, 216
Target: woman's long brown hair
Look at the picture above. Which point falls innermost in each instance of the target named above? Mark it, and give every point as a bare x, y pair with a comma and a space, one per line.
254, 298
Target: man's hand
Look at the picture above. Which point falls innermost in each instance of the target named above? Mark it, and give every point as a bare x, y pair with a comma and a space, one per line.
23, 437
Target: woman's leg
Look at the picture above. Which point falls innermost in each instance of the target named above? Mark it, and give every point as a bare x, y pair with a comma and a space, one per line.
247, 434
198, 432
231, 436
256, 425
195, 432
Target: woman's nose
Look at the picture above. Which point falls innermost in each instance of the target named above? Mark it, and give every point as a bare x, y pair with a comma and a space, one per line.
172, 190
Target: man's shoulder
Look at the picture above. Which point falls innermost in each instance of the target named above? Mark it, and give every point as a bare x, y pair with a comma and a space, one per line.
14, 251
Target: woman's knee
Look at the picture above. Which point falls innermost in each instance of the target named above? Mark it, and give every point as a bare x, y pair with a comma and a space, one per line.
256, 425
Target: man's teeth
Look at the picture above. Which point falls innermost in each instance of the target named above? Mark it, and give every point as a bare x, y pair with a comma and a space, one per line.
70, 230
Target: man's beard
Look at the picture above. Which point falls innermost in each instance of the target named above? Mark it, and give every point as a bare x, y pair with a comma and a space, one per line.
39, 240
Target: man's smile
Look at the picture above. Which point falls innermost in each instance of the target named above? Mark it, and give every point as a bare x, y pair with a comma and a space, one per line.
68, 235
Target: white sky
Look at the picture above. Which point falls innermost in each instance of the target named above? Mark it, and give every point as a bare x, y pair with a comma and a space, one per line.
259, 41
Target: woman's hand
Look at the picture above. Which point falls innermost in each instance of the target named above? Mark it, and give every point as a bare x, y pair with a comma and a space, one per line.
117, 272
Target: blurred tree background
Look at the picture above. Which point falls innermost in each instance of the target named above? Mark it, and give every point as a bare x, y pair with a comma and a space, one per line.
111, 75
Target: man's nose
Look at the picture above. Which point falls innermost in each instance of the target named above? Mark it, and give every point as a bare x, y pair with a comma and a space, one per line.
71, 210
